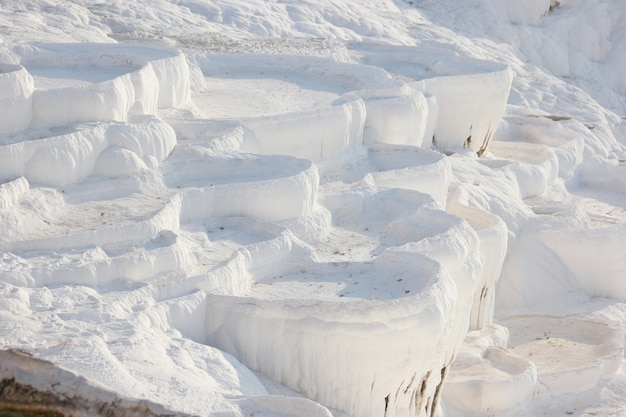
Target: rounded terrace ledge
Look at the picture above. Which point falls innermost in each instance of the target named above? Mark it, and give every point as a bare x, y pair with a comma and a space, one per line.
470, 94
301, 317
102, 82
322, 347
411, 168
16, 95
571, 354
494, 383
316, 108
82, 150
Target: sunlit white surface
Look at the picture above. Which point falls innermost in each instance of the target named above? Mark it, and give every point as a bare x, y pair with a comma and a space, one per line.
363, 205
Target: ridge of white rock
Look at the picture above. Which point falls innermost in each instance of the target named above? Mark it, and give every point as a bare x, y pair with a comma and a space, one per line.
103, 149
496, 382
76, 83
400, 289
178, 219
16, 97
442, 293
493, 238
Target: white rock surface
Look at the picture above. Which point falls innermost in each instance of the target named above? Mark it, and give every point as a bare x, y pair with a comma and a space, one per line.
16, 98
268, 190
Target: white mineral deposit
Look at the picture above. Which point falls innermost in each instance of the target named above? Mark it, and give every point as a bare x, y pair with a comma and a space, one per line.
284, 208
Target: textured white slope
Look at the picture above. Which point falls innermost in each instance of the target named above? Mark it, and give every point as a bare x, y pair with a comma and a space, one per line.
571, 355
303, 319
182, 180
491, 384
16, 96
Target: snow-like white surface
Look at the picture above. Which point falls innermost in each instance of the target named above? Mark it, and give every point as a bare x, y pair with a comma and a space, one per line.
16, 97
104, 149
491, 384
361, 205
571, 355
87, 82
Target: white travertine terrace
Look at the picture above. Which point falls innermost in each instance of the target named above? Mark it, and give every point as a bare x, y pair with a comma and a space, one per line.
16, 98
327, 244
